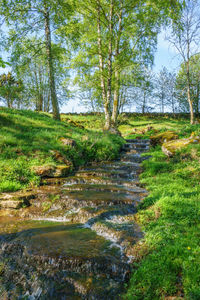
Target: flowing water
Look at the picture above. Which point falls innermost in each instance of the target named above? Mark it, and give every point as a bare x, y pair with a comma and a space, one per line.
76, 239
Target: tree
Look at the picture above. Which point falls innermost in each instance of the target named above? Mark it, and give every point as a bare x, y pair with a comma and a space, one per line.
30, 17
115, 35
181, 84
32, 68
144, 90
10, 89
185, 38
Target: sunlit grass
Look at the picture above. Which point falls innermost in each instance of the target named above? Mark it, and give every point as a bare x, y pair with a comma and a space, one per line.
27, 139
170, 218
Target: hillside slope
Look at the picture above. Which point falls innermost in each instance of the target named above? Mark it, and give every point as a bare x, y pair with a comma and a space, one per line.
29, 139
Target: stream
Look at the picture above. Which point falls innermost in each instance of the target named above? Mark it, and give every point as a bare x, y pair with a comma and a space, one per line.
75, 240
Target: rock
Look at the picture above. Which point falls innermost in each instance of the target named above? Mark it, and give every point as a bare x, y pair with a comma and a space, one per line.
44, 171
114, 130
61, 171
68, 142
163, 137
170, 148
14, 204
15, 200
60, 158
75, 124
52, 171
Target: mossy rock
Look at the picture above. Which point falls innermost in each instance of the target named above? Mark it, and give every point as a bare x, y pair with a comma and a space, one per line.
52, 171
44, 171
170, 148
163, 137
68, 142
61, 171
75, 124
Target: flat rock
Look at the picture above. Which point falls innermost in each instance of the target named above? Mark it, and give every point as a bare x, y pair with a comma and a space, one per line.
44, 171
52, 171
14, 204
160, 138
170, 148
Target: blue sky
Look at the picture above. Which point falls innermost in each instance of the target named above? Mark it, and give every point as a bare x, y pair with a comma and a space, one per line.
166, 56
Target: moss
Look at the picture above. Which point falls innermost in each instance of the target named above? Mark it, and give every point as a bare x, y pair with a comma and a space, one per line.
162, 137
170, 148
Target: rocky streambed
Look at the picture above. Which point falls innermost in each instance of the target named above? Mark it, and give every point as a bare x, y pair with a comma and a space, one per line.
73, 238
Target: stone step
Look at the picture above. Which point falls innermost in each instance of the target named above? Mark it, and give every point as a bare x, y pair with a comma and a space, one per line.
116, 174
134, 158
92, 198
123, 166
125, 233
138, 141
15, 200
105, 188
136, 146
99, 180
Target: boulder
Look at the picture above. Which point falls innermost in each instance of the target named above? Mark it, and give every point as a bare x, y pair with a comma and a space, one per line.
52, 171
163, 137
44, 171
61, 171
60, 158
170, 148
68, 142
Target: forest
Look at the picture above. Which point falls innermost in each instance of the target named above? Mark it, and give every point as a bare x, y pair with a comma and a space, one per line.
101, 204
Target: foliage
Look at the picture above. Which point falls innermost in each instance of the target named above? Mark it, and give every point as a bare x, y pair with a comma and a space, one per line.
10, 89
181, 84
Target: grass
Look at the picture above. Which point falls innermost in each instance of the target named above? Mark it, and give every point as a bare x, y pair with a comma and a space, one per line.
27, 139
170, 218
168, 258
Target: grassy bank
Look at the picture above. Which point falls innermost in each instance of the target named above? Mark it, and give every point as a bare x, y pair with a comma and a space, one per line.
27, 139
167, 262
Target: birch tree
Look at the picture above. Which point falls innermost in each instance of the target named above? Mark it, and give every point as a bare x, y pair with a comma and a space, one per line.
185, 38
115, 36
35, 18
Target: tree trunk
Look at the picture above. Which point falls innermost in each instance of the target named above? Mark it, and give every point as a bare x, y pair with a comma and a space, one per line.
173, 108
189, 94
144, 102
54, 100
197, 112
110, 68
101, 68
117, 74
162, 102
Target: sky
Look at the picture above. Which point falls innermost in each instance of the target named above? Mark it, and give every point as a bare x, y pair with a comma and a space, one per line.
165, 56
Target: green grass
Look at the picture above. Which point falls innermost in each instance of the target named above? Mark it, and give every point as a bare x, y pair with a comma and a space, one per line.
168, 258
170, 218
27, 139
131, 126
